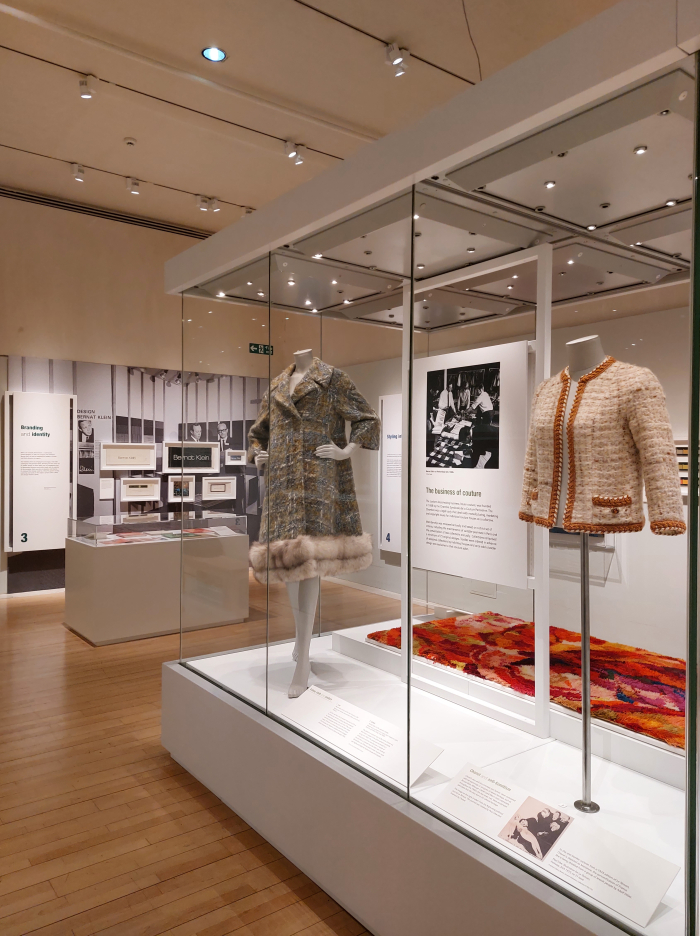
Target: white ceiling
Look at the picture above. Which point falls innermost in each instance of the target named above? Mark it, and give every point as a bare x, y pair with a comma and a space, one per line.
292, 72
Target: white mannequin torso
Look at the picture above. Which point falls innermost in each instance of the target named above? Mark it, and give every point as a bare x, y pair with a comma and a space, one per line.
584, 354
302, 362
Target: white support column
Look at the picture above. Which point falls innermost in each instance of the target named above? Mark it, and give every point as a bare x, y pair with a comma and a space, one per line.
406, 590
543, 367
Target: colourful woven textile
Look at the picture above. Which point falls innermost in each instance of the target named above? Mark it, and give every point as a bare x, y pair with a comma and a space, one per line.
633, 688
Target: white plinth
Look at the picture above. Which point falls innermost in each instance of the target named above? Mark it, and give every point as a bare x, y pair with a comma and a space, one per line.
127, 592
397, 869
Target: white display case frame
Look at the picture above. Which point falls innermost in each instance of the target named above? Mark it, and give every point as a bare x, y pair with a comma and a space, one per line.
227, 482
152, 494
174, 498
235, 457
214, 467
146, 449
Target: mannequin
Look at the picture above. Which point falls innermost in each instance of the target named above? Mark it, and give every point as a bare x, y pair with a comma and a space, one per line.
584, 354
303, 595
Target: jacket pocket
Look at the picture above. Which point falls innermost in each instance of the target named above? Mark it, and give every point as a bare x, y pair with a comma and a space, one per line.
611, 509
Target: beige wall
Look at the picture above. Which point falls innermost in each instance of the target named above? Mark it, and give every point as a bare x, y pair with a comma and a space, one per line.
75, 287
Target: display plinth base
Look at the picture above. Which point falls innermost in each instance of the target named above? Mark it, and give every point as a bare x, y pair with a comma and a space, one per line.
398, 870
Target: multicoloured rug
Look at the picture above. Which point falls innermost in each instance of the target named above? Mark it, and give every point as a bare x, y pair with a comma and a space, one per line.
633, 688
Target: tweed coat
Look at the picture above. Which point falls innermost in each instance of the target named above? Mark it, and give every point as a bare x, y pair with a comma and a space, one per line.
311, 521
619, 435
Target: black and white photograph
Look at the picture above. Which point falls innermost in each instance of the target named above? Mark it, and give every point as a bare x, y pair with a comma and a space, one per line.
220, 432
535, 827
462, 426
86, 430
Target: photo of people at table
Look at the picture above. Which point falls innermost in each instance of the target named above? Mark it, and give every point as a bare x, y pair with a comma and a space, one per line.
463, 406
535, 827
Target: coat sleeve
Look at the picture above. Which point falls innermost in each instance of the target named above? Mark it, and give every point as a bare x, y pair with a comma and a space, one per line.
351, 405
259, 432
530, 469
650, 426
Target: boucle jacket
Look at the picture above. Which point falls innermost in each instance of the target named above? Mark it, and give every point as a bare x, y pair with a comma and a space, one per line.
310, 520
619, 435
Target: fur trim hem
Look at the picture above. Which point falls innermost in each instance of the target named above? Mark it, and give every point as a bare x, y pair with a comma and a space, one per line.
308, 556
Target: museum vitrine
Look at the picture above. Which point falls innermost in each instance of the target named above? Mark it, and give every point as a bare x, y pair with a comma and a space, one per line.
468, 486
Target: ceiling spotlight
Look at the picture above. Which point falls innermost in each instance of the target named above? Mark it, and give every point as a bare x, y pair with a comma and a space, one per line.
347, 301
202, 202
591, 227
300, 154
639, 150
471, 249
221, 295
214, 204
671, 202
78, 172
212, 54
308, 302
315, 311
570, 262
515, 275
87, 85
290, 149
509, 287
539, 207
260, 292
397, 58
663, 113
318, 256
549, 184
290, 282
416, 217
334, 282
421, 266
132, 185
249, 283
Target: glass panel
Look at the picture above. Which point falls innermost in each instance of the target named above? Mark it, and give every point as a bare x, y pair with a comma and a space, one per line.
213, 489
497, 672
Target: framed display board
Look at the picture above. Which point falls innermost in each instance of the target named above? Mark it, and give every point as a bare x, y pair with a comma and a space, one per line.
219, 488
235, 457
196, 457
40, 469
140, 489
127, 456
181, 488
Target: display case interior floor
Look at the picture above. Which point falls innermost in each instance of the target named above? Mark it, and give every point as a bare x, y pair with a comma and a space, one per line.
635, 807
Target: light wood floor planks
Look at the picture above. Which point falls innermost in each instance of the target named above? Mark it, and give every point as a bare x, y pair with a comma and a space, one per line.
100, 830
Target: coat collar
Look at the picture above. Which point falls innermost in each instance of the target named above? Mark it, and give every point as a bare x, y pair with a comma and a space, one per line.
319, 374
564, 376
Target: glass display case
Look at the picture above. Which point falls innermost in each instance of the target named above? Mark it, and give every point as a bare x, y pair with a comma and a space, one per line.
467, 423
154, 527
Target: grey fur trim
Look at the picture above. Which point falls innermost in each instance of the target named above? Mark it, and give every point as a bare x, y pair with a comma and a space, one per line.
308, 556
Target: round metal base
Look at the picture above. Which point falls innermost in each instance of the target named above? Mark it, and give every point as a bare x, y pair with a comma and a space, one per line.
586, 807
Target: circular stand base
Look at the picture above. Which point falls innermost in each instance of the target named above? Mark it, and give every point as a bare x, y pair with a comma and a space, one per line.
586, 807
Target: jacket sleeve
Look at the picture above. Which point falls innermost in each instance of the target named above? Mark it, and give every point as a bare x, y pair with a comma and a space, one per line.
259, 432
530, 468
365, 425
650, 426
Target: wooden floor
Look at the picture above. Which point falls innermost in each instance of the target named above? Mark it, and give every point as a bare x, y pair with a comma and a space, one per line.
100, 830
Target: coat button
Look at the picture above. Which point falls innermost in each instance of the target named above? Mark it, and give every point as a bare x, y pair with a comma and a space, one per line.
615, 510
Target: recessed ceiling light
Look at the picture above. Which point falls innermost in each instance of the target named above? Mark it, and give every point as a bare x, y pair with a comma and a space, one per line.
539, 207
421, 266
87, 85
639, 150
664, 113
671, 202
318, 256
416, 217
287, 319
471, 249
515, 275
334, 282
211, 312
261, 293
509, 287
291, 282
308, 302
249, 283
549, 184
466, 288
592, 227
213, 54
570, 262
347, 301
315, 311
220, 294
78, 172
189, 320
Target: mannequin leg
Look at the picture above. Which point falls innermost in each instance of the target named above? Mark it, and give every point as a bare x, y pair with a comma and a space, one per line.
293, 593
303, 601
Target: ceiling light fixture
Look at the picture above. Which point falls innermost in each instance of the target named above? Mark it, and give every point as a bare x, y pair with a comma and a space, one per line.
315, 311
347, 301
300, 154
260, 292
214, 54
671, 202
221, 295
549, 184
290, 282
592, 227
132, 185
471, 249
318, 256
421, 266
515, 275
202, 202
334, 282
639, 150
87, 85
308, 302
570, 262
214, 205
397, 58
290, 149
416, 217
77, 172
249, 283
509, 287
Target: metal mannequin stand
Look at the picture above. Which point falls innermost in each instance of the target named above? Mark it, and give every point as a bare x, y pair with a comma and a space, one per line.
586, 804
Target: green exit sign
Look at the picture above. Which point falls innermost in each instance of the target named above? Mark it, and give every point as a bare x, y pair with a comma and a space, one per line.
260, 348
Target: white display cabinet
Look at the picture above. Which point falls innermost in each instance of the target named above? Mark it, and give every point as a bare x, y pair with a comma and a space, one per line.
127, 456
438, 276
